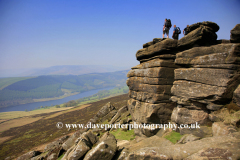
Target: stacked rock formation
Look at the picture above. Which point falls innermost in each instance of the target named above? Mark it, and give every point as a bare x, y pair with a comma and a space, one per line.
150, 83
196, 75
206, 81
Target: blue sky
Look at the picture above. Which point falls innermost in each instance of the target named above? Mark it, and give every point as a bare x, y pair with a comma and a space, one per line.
44, 33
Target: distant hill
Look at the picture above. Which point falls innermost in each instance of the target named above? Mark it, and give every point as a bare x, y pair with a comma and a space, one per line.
72, 70
15, 91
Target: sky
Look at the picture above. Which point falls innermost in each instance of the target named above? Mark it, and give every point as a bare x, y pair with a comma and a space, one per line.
44, 33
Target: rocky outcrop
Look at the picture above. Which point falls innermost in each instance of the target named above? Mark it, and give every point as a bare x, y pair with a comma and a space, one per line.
119, 115
197, 72
164, 49
71, 140
188, 138
56, 144
28, 155
83, 145
236, 96
198, 79
201, 34
150, 82
191, 149
235, 34
106, 112
188, 116
220, 129
210, 77
104, 150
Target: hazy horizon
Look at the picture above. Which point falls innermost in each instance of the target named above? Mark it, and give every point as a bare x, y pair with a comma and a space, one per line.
41, 33
62, 70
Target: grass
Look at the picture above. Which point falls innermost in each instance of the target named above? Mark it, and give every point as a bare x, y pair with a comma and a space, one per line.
173, 136
105, 122
3, 139
124, 135
227, 116
59, 158
18, 114
232, 107
20, 118
17, 122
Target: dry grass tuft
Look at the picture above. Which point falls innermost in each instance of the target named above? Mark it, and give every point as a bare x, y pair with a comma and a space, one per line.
232, 107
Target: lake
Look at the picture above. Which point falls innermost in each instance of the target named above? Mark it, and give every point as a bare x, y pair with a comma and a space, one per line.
32, 106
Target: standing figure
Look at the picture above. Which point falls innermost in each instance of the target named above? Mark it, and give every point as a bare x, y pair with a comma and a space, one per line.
176, 32
166, 27
186, 30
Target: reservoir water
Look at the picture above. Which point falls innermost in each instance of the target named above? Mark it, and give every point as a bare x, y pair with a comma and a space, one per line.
31, 106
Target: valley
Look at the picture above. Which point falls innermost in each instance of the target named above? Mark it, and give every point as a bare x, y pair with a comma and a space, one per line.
22, 90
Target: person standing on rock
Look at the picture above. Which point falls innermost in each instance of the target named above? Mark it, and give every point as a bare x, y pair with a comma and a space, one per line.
176, 32
186, 30
166, 27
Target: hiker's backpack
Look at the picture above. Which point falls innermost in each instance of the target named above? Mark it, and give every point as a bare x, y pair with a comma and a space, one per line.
168, 23
178, 31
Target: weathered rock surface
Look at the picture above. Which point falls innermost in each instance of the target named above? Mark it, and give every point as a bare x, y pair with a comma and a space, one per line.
188, 138
153, 141
107, 110
150, 97
84, 144
157, 62
210, 76
181, 151
121, 144
154, 41
123, 155
104, 150
150, 113
192, 91
157, 72
214, 107
150, 85
235, 34
53, 156
217, 152
200, 34
201, 79
28, 155
56, 143
214, 27
212, 55
236, 96
220, 129
166, 46
186, 116
215, 77
71, 140
118, 115
201, 132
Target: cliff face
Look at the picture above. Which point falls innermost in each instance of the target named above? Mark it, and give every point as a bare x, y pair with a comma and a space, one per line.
192, 76
150, 84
